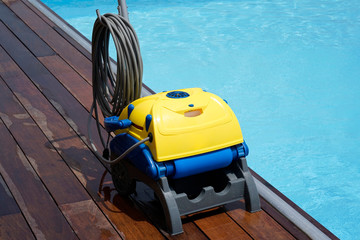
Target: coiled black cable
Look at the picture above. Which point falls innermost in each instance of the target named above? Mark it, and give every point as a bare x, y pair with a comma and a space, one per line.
112, 92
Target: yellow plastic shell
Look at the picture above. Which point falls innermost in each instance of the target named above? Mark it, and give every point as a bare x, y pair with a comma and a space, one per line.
182, 127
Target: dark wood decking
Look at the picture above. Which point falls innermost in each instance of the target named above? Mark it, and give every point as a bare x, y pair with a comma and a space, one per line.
52, 185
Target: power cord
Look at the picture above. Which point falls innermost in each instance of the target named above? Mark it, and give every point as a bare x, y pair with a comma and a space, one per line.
113, 92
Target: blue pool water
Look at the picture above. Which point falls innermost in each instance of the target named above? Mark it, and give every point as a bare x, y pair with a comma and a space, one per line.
289, 69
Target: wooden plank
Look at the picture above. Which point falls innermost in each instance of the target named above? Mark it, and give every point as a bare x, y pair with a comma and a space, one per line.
7, 202
67, 51
24, 33
43, 156
88, 221
12, 222
14, 226
71, 80
80, 48
191, 232
62, 100
30, 193
81, 161
51, 168
217, 225
37, 11
258, 225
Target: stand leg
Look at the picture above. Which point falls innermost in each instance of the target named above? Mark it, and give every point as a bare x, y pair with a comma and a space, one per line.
252, 200
165, 196
170, 208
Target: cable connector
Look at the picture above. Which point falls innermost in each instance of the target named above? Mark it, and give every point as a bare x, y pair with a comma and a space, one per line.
113, 123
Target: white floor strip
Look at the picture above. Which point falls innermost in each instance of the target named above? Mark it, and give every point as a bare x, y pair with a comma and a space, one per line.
289, 212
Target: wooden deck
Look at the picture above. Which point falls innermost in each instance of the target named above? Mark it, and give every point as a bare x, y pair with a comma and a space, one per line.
52, 185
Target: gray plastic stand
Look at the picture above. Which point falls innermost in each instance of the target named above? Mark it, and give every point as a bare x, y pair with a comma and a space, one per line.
240, 184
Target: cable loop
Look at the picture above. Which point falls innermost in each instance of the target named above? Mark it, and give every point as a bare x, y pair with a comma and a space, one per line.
114, 88
114, 91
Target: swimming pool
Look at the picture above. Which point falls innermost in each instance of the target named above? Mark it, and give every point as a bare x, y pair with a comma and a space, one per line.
290, 71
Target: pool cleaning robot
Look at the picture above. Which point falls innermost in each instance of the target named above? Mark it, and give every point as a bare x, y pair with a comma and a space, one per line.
186, 144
